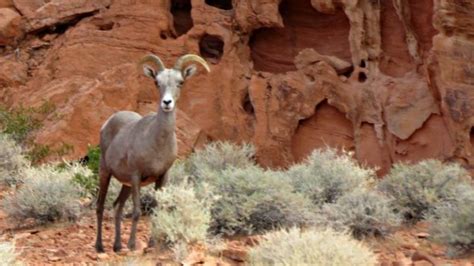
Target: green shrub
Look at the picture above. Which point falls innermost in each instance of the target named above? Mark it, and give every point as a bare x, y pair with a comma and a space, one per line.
20, 122
452, 221
419, 187
363, 212
182, 218
312, 247
326, 175
255, 200
7, 253
12, 161
47, 195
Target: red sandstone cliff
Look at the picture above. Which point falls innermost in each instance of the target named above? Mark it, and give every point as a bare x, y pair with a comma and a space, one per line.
392, 80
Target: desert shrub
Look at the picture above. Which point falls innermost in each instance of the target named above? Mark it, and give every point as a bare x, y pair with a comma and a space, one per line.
255, 200
326, 175
311, 247
217, 157
364, 213
181, 218
452, 221
12, 161
7, 253
90, 182
21, 121
419, 187
47, 195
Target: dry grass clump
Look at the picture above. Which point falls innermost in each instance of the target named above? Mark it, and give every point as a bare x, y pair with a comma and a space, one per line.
48, 194
311, 247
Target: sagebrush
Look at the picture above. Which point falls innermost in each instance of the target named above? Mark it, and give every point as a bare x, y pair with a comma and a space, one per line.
12, 161
253, 200
182, 218
310, 247
418, 188
328, 174
217, 157
47, 195
452, 221
363, 212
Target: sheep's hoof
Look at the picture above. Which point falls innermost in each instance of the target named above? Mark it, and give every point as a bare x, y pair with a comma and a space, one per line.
99, 248
117, 248
131, 246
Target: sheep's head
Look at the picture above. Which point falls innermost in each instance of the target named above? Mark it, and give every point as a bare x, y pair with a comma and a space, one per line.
170, 81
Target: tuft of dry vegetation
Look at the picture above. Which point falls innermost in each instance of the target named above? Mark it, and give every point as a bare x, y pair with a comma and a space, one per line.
310, 247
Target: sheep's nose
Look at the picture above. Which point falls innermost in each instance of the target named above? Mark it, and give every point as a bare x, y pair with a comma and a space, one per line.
166, 102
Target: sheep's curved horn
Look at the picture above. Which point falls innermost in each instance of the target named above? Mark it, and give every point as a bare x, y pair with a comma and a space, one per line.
188, 58
153, 59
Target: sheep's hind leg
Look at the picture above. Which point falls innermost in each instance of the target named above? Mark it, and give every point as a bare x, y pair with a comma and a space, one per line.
103, 187
119, 204
136, 211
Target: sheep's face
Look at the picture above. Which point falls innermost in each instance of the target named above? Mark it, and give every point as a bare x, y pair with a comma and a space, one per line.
170, 82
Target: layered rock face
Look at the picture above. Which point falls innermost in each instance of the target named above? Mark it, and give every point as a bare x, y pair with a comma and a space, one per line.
392, 80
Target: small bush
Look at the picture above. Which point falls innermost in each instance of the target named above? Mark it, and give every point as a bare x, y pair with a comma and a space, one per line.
452, 222
326, 175
20, 122
47, 195
7, 253
181, 218
12, 161
217, 157
255, 200
363, 212
312, 247
418, 188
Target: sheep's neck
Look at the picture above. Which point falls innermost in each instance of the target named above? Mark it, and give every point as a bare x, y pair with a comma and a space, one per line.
165, 124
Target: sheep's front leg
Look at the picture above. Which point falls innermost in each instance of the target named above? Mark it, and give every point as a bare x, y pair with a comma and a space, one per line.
136, 211
159, 183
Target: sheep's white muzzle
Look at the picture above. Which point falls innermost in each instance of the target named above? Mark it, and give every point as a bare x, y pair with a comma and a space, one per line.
167, 103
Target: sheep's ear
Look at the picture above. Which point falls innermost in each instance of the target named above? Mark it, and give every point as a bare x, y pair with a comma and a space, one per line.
149, 72
189, 71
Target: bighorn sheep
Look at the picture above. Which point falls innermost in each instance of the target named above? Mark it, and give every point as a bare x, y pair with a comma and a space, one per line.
138, 150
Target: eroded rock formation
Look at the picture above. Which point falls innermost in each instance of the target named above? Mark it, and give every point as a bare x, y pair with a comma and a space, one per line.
391, 80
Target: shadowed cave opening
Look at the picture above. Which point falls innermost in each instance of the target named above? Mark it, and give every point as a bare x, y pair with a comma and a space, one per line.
211, 48
182, 20
326, 127
221, 4
247, 105
274, 49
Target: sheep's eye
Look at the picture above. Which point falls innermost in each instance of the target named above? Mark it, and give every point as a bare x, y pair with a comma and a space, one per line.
181, 83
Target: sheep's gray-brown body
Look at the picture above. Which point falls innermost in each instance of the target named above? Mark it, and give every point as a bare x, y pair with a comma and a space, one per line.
136, 145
